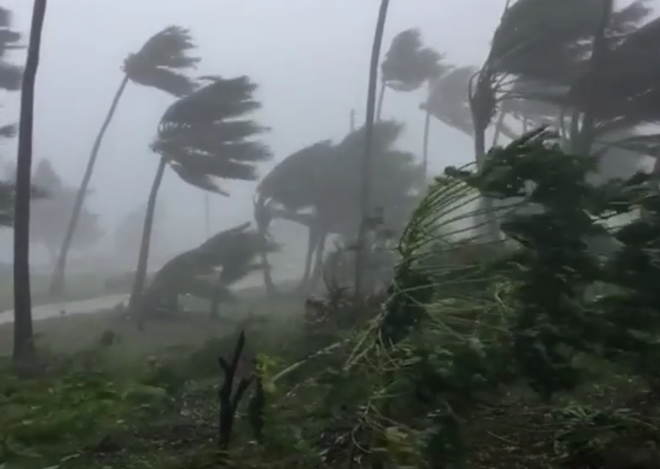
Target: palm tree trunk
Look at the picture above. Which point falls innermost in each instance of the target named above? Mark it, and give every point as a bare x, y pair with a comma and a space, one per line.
207, 216
361, 260
58, 281
596, 64
143, 257
498, 127
486, 205
24, 352
317, 271
381, 98
312, 241
425, 144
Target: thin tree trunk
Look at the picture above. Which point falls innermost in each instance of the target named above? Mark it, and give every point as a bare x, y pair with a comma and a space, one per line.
207, 216
143, 258
425, 144
598, 57
361, 257
381, 98
498, 127
58, 280
318, 261
312, 241
24, 352
487, 207
352, 121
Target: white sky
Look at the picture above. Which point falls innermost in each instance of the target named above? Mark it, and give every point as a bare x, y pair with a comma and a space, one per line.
310, 58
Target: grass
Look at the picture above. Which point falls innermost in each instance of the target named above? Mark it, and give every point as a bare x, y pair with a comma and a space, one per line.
134, 426
130, 427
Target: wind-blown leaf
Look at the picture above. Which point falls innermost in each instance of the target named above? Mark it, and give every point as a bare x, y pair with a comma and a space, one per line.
162, 62
408, 64
204, 135
448, 99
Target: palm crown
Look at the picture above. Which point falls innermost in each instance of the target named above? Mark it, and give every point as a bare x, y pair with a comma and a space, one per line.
162, 61
206, 135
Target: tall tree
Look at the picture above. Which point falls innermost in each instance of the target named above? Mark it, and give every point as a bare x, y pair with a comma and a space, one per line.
365, 186
48, 222
549, 43
161, 63
24, 352
408, 65
317, 187
204, 136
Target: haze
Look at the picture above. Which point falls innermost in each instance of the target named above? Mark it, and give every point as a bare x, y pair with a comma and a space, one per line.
310, 59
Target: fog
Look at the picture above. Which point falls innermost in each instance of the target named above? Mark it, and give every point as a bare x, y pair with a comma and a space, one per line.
310, 59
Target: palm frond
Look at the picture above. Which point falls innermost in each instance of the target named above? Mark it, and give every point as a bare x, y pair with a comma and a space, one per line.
162, 61
448, 99
408, 64
294, 182
220, 100
203, 137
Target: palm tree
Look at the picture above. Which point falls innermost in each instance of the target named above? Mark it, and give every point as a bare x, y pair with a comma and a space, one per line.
24, 352
407, 65
318, 185
203, 136
549, 43
161, 64
293, 191
230, 255
365, 182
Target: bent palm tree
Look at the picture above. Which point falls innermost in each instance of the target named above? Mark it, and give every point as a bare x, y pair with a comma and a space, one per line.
407, 65
549, 43
159, 64
318, 185
291, 191
229, 255
365, 182
204, 136
23, 344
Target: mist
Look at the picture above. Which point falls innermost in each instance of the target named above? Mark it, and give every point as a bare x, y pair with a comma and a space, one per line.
310, 60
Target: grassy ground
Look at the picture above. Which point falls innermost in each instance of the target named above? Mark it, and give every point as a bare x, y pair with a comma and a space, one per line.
112, 413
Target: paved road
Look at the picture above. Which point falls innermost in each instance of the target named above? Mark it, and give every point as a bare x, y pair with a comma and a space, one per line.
71, 307
93, 305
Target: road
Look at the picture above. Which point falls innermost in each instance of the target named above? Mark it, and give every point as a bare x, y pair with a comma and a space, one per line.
93, 305
71, 307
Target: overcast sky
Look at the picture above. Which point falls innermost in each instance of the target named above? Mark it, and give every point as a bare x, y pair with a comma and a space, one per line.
309, 57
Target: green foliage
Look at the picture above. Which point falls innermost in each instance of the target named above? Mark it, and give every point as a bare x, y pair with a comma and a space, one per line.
75, 407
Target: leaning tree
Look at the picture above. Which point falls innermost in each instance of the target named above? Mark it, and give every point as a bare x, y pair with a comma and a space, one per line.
161, 63
206, 135
407, 65
318, 185
207, 271
557, 52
